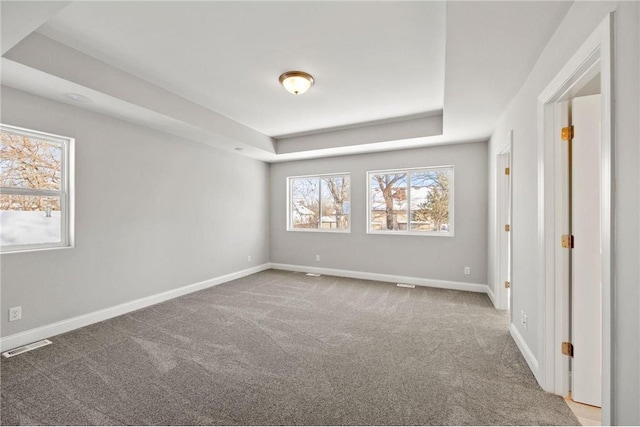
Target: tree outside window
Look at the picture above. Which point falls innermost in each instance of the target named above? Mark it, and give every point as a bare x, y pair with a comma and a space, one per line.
34, 185
319, 203
414, 201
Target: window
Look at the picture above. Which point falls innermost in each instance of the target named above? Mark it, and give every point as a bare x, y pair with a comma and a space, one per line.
319, 203
35, 202
411, 201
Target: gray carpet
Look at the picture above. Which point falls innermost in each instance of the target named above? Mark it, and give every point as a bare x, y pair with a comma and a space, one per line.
283, 348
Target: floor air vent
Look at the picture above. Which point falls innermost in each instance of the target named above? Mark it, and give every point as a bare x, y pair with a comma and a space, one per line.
25, 348
313, 274
404, 285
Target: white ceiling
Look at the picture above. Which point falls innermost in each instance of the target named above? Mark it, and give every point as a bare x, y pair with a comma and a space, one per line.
395, 74
370, 61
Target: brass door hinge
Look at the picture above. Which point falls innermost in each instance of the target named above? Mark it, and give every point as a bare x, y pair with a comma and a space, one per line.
507, 227
507, 171
567, 349
567, 133
507, 284
567, 241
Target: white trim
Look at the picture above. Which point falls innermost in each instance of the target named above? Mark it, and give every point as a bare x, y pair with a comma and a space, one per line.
26, 337
290, 227
70, 180
595, 55
492, 298
525, 350
451, 225
60, 139
323, 230
418, 281
412, 233
65, 193
319, 175
502, 293
413, 169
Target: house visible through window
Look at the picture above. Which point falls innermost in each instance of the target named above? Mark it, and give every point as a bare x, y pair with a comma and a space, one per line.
34, 194
411, 201
319, 203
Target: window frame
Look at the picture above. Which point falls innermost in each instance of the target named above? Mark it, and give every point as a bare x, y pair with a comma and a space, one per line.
319, 229
65, 193
408, 232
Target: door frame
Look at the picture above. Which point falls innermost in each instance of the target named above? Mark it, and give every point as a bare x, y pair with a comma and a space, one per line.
593, 57
502, 302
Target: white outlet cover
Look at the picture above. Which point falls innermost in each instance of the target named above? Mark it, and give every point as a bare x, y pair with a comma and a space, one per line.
15, 313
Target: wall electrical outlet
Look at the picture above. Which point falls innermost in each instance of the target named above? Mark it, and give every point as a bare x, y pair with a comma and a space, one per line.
467, 270
249, 258
523, 319
317, 257
15, 313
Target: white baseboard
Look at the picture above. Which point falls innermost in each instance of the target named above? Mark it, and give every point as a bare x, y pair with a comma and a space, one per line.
418, 281
26, 337
525, 350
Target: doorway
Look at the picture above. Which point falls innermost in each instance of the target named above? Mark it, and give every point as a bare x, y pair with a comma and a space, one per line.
562, 294
582, 262
503, 203
586, 264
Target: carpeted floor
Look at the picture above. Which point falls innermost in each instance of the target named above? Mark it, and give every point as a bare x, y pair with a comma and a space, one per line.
283, 348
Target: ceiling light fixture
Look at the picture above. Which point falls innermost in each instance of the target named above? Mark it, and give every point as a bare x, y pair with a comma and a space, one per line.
296, 82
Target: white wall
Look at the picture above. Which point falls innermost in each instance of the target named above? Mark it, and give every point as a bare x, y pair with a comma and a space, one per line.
521, 117
427, 257
153, 213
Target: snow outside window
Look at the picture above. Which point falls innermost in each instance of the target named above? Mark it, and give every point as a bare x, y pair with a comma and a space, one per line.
319, 203
34, 190
411, 201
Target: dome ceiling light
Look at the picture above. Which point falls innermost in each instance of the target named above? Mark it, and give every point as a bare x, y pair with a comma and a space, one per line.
296, 82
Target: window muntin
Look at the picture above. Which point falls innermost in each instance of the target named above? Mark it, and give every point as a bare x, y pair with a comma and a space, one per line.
34, 190
411, 201
319, 203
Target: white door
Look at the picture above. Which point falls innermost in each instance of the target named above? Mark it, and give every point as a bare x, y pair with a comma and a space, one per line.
504, 218
586, 290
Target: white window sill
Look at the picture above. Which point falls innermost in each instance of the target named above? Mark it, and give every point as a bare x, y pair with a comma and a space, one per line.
23, 249
410, 233
317, 230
